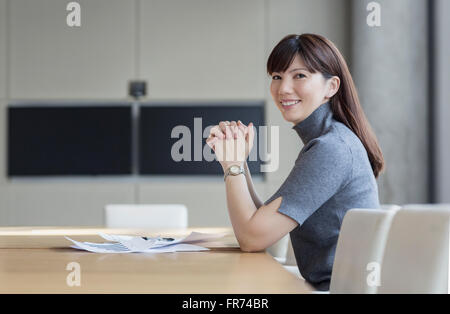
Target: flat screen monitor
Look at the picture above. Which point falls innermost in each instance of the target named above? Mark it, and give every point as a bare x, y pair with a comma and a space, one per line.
170, 133
69, 140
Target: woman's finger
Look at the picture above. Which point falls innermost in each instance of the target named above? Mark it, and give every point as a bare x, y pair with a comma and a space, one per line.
215, 131
211, 141
223, 125
241, 131
233, 126
242, 127
251, 132
228, 132
241, 124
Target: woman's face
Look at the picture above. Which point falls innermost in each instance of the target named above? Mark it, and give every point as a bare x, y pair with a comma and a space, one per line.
298, 92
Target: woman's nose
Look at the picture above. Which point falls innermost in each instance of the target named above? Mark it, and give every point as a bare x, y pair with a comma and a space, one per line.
285, 88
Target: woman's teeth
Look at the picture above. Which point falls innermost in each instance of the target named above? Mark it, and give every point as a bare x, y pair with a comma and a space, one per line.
290, 103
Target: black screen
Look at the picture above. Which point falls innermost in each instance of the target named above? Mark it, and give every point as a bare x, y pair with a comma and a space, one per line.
69, 140
156, 125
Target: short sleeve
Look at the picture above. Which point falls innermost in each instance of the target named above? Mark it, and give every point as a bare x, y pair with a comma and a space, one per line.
321, 170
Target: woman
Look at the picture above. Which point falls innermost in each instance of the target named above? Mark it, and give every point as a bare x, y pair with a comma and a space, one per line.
334, 172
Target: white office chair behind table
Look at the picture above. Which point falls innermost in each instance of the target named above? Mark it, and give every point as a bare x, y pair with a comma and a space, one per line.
360, 248
373, 245
416, 258
427, 206
290, 263
146, 216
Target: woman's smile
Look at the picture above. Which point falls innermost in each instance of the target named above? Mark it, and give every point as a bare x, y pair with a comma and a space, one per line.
289, 104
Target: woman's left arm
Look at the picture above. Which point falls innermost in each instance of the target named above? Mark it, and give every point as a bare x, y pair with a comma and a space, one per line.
254, 229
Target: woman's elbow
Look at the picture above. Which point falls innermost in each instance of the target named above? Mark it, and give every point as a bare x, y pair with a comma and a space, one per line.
250, 239
250, 246
249, 249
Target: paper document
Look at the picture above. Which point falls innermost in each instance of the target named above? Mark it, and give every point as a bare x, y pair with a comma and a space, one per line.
136, 244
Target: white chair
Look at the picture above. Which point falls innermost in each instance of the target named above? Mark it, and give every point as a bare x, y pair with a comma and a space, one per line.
426, 206
416, 258
278, 250
290, 256
390, 207
361, 242
290, 263
142, 216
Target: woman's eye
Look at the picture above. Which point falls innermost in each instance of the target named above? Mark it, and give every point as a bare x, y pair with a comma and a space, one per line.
276, 77
300, 75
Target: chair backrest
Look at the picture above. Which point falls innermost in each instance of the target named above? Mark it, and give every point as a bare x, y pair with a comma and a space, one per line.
360, 247
290, 255
416, 258
426, 206
146, 216
390, 207
279, 248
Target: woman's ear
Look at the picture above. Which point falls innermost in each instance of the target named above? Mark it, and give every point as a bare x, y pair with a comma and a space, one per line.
333, 86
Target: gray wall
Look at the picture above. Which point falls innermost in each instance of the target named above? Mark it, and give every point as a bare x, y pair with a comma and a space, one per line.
442, 112
4, 210
390, 69
186, 50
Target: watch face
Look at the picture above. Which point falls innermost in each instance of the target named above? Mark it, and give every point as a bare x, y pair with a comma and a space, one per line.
235, 169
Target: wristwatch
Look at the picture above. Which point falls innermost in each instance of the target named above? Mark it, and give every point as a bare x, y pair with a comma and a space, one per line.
234, 170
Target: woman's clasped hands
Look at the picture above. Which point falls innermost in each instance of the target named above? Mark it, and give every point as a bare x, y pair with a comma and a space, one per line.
232, 142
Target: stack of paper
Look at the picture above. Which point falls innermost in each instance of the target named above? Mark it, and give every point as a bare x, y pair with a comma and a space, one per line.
133, 244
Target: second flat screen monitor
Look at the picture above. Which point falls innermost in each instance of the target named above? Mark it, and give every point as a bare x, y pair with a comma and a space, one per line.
158, 155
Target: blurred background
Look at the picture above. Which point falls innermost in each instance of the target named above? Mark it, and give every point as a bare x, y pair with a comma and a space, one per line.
214, 52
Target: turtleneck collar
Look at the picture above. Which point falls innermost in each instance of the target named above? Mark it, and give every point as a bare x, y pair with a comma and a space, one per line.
315, 124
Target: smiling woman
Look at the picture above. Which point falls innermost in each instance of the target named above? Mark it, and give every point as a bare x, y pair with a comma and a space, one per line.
321, 73
334, 172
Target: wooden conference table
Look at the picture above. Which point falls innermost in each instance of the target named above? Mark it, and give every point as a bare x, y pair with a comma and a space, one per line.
34, 260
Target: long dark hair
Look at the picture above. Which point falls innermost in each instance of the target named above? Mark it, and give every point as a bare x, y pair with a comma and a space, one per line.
321, 55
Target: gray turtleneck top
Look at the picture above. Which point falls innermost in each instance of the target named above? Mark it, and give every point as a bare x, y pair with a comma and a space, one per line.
331, 175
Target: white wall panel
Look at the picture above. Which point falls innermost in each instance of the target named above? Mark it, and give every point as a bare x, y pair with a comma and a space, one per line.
3, 48
52, 60
4, 206
206, 201
59, 203
203, 49
323, 17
